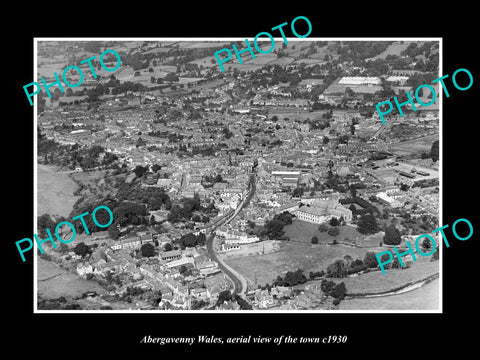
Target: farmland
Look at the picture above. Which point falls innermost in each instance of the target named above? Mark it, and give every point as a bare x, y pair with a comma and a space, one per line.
54, 192
415, 146
393, 49
424, 298
303, 231
290, 257
53, 282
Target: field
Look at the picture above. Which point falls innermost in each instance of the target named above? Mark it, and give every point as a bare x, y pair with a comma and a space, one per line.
424, 298
54, 192
303, 231
393, 49
282, 61
416, 146
53, 282
377, 282
290, 257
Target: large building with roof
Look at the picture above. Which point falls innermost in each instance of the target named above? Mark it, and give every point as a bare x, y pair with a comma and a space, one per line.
321, 210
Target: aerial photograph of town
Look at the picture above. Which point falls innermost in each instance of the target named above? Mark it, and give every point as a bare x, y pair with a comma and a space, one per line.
269, 186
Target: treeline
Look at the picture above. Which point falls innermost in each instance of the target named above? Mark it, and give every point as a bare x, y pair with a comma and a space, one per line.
291, 278
191, 240
226, 295
273, 229
361, 50
185, 211
73, 155
347, 266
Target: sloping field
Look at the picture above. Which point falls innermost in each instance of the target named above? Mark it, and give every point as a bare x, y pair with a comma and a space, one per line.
292, 256
393, 49
53, 282
424, 298
54, 192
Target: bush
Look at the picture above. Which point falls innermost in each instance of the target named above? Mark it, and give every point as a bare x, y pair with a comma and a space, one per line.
333, 231
370, 260
314, 240
323, 227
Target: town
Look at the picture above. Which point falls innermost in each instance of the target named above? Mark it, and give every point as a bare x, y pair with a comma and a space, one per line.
269, 186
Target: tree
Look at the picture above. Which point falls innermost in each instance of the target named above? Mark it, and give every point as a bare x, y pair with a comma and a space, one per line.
314, 240
352, 129
325, 140
182, 269
81, 249
45, 222
353, 191
140, 170
367, 224
323, 227
339, 291
333, 231
333, 221
223, 296
392, 235
168, 247
337, 269
434, 150
370, 260
113, 232
147, 250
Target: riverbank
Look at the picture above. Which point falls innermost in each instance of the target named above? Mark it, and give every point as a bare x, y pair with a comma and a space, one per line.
54, 191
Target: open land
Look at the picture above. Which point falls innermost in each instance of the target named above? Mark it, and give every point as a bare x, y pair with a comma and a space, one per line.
423, 298
53, 282
55, 191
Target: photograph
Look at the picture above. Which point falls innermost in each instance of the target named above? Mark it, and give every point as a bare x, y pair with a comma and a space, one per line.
269, 186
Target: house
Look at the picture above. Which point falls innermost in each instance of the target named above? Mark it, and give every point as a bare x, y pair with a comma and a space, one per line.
170, 255
199, 293
263, 299
208, 268
84, 269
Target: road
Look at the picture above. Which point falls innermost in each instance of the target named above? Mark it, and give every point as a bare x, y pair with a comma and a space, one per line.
238, 281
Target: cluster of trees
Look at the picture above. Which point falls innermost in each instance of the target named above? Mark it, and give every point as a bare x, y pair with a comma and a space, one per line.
367, 224
198, 304
186, 211
333, 230
361, 50
291, 278
414, 50
74, 155
147, 250
57, 304
392, 235
191, 240
152, 197
346, 266
337, 291
319, 124
273, 229
82, 249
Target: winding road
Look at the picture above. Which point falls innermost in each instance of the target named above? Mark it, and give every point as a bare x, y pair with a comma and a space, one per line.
238, 281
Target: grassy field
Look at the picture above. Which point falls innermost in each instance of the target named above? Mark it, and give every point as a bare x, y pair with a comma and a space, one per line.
290, 257
54, 192
304, 231
393, 49
53, 282
424, 298
378, 282
421, 145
